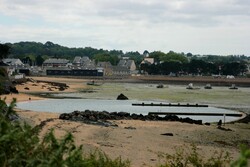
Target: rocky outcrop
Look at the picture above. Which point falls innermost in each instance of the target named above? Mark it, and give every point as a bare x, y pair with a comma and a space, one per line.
104, 117
122, 97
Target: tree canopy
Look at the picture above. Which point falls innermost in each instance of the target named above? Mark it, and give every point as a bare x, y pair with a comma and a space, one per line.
4, 51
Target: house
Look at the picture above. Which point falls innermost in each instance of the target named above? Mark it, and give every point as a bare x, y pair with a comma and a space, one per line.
106, 67
77, 61
13, 62
121, 71
14, 65
129, 64
83, 63
52, 62
148, 60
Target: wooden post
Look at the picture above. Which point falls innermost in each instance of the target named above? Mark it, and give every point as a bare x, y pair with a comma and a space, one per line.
224, 119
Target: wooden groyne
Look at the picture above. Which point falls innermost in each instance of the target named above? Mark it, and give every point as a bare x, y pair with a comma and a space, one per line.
169, 105
196, 114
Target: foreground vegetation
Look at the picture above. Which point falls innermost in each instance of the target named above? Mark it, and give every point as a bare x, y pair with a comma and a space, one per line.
20, 145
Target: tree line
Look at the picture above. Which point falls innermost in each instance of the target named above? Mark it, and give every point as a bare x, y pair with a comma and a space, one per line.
34, 53
195, 67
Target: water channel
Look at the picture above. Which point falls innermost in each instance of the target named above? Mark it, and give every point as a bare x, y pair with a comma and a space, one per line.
70, 105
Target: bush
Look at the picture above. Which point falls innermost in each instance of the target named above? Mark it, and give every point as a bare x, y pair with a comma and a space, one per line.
185, 158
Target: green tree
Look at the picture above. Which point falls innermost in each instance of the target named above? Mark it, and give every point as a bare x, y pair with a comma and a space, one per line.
39, 60
172, 56
106, 57
4, 51
157, 55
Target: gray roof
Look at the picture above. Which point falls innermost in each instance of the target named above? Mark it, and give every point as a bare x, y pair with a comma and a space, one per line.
120, 69
81, 60
56, 61
125, 63
104, 64
77, 59
12, 61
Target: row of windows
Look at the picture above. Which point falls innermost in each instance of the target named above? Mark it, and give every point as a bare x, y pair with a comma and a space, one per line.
75, 73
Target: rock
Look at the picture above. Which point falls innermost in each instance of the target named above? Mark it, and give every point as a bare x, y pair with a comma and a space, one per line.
159, 86
61, 88
130, 127
219, 123
168, 134
100, 118
123, 114
13, 90
122, 97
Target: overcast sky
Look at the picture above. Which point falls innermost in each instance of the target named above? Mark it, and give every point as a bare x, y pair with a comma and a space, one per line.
196, 26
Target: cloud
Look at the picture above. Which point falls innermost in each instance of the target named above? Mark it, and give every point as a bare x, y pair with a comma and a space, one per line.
190, 12
181, 25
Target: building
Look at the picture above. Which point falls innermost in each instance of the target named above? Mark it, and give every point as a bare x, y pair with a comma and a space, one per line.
148, 60
52, 62
129, 64
13, 62
15, 65
120, 71
83, 63
73, 72
106, 67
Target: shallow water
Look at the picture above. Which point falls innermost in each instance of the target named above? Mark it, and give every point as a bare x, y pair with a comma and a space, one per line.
70, 105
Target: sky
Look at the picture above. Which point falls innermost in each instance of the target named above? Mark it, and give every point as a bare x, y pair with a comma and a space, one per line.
219, 27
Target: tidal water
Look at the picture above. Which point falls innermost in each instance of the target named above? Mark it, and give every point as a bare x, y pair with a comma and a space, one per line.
70, 105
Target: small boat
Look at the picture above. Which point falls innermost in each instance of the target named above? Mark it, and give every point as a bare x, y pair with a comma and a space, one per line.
233, 87
93, 83
190, 86
160, 86
208, 86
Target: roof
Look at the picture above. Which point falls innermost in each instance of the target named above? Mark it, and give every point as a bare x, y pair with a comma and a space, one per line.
104, 64
125, 63
148, 60
11, 61
120, 69
77, 59
56, 61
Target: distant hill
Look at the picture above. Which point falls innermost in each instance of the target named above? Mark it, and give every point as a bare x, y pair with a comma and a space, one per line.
32, 50
22, 49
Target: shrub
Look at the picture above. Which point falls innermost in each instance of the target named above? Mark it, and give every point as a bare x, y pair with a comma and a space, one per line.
186, 157
243, 159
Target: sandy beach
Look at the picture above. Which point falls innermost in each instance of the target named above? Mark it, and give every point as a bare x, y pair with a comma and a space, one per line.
139, 141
